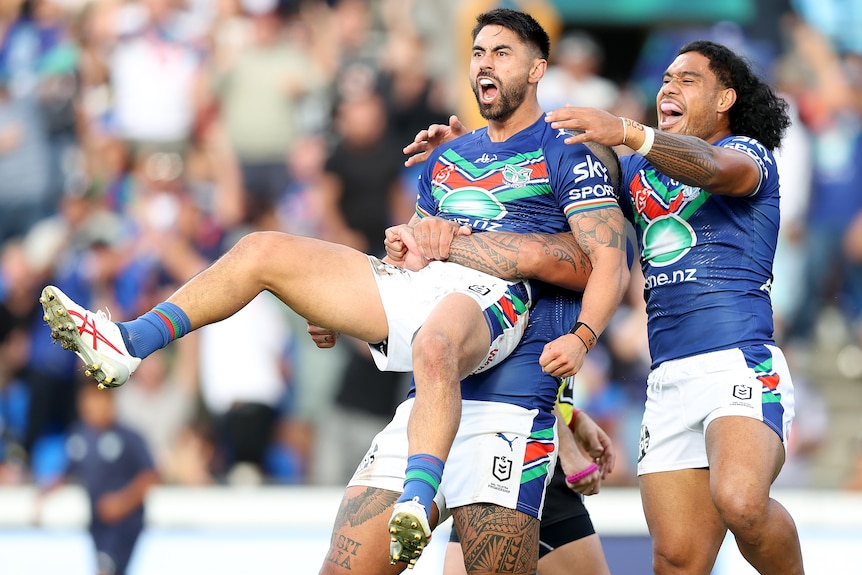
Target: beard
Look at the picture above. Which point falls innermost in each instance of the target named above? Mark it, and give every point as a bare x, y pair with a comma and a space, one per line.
509, 98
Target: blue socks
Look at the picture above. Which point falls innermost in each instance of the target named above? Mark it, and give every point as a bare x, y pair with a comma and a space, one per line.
155, 329
422, 479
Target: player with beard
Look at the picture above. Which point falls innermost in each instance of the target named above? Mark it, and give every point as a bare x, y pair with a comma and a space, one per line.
442, 320
703, 194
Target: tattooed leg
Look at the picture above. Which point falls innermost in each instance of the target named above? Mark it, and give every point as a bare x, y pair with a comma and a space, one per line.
360, 536
497, 540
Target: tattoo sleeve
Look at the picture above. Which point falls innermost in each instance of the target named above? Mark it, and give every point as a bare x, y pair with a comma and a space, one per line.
685, 158
598, 229
515, 256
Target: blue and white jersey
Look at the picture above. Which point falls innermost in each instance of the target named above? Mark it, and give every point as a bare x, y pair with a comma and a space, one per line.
532, 182
707, 259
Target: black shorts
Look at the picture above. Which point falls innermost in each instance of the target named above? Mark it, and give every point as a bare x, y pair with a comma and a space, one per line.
564, 516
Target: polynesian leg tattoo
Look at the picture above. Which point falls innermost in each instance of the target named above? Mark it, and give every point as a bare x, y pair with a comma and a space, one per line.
495, 539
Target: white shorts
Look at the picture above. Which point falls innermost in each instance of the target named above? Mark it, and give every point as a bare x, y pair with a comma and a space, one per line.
408, 298
496, 458
684, 396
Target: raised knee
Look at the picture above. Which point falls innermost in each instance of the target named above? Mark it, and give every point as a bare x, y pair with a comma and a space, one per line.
252, 258
259, 243
434, 353
255, 250
433, 346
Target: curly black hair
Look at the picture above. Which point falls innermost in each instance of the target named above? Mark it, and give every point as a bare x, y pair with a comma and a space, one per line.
522, 24
759, 112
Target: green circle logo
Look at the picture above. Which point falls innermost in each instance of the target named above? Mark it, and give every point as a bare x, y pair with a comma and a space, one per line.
473, 202
667, 239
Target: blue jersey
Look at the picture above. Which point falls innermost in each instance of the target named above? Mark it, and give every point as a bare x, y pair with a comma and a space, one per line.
532, 182
707, 259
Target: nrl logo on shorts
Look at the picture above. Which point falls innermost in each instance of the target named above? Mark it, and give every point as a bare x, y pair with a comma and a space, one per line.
502, 468
742, 392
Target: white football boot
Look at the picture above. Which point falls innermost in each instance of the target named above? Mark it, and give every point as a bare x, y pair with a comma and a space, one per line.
92, 336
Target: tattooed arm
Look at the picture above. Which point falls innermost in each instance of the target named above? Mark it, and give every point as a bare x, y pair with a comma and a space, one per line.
564, 259
692, 161
686, 158
556, 259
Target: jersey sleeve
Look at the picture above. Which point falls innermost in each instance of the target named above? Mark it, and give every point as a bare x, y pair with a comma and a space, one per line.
581, 181
756, 151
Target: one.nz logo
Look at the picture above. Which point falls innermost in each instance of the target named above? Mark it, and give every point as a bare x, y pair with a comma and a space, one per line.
742, 392
502, 468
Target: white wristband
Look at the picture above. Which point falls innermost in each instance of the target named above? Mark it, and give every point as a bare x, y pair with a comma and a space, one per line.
649, 138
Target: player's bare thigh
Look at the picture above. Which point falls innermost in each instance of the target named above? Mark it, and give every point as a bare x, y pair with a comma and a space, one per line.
759, 466
360, 536
329, 284
684, 525
497, 540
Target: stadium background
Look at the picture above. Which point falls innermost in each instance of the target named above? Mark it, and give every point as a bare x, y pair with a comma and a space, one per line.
182, 175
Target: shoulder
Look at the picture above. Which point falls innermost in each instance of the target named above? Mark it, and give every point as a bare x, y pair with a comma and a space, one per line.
558, 152
630, 166
458, 145
745, 144
762, 156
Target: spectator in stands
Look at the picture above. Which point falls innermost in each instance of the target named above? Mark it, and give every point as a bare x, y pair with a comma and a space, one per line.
113, 464
263, 90
833, 113
24, 162
358, 205
574, 76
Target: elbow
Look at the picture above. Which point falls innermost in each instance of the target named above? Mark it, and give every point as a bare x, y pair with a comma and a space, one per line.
531, 260
623, 271
625, 279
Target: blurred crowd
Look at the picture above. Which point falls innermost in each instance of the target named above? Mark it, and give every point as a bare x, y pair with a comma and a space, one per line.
139, 139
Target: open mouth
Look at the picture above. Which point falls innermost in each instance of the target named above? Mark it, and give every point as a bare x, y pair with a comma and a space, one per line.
488, 90
670, 113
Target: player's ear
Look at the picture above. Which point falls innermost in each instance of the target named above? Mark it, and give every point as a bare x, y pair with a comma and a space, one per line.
538, 69
726, 99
